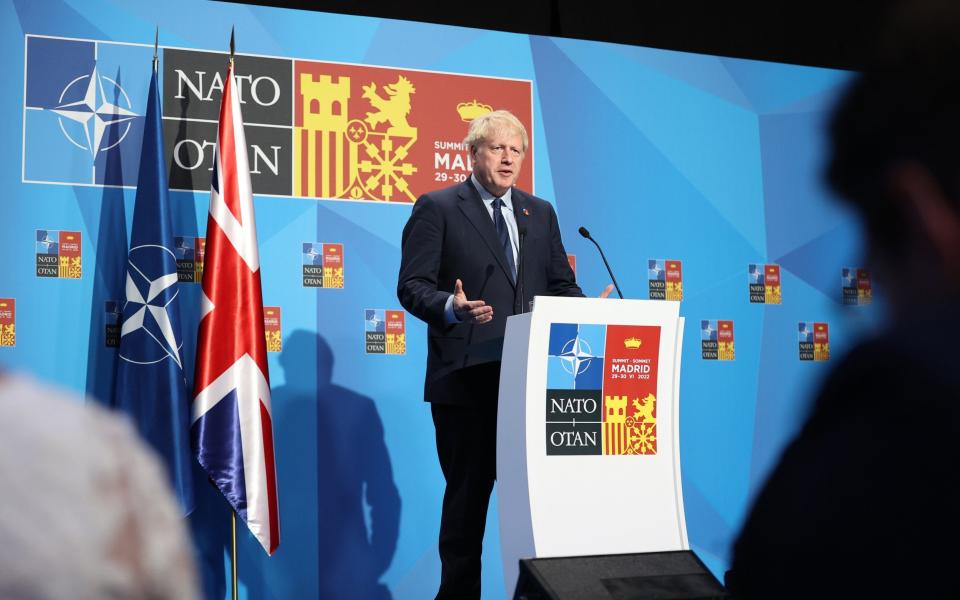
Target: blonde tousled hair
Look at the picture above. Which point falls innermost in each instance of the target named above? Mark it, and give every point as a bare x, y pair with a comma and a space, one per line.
486, 126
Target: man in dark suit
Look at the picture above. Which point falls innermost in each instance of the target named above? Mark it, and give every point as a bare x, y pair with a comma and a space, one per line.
463, 242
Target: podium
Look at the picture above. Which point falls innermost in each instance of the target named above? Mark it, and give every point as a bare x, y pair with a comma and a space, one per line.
588, 449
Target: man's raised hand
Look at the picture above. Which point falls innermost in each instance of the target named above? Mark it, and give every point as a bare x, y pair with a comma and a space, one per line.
470, 311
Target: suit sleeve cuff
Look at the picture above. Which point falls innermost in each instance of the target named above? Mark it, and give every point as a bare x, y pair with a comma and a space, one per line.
449, 317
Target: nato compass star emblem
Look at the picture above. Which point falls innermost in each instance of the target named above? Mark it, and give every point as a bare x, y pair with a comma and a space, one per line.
151, 290
94, 112
849, 278
576, 356
184, 248
46, 244
707, 332
374, 322
312, 255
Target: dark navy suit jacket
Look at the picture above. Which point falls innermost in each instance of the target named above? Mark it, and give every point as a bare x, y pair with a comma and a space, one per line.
450, 235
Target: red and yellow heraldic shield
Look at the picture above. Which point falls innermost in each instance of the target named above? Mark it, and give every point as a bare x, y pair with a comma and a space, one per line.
771, 282
272, 329
396, 332
199, 251
630, 389
8, 322
373, 133
674, 278
725, 350
71, 266
864, 289
821, 341
333, 265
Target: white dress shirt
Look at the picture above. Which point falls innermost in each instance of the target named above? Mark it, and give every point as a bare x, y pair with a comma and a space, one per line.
509, 217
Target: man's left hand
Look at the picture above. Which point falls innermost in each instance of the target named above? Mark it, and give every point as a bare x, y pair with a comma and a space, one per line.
606, 291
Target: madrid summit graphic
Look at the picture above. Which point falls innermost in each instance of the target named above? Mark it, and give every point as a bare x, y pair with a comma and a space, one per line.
601, 389
313, 129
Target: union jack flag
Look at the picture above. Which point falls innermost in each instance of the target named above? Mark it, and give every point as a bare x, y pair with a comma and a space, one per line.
232, 428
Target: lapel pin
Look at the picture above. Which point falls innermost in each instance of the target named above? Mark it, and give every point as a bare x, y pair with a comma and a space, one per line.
526, 213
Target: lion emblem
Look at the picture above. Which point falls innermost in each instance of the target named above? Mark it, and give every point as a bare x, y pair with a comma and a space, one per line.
645, 408
393, 108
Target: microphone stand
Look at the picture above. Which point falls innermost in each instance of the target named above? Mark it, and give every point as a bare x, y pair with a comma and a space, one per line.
583, 231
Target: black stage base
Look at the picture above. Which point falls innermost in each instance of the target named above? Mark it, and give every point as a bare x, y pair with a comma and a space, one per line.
648, 576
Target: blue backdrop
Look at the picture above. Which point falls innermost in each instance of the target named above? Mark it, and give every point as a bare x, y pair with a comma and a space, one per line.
714, 162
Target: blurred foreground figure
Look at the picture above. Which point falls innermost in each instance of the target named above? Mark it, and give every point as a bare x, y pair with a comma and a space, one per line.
864, 502
85, 510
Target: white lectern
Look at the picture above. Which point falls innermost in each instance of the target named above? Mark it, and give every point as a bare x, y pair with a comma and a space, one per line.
588, 450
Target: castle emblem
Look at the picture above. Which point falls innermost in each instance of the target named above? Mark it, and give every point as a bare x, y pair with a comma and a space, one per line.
367, 158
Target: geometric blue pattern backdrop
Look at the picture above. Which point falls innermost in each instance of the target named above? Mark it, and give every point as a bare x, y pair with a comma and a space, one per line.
711, 161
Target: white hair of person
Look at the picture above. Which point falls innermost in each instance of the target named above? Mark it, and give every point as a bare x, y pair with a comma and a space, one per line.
86, 511
486, 126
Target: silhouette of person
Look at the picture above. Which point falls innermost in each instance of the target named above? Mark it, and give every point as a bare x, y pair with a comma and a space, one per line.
353, 474
865, 495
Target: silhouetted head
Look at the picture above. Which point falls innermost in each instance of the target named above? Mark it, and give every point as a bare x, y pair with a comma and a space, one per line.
895, 153
307, 361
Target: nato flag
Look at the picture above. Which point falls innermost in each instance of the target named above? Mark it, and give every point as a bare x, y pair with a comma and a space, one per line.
150, 385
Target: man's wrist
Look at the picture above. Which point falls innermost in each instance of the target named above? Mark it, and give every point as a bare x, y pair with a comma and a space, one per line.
449, 314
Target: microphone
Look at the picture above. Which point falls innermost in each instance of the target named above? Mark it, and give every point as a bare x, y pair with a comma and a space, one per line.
518, 298
583, 231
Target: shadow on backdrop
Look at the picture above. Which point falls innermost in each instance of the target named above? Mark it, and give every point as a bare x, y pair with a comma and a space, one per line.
209, 525
339, 505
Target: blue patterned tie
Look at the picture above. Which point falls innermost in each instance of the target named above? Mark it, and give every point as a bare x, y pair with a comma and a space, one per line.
504, 236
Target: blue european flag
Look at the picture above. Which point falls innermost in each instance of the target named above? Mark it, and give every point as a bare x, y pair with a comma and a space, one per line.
150, 385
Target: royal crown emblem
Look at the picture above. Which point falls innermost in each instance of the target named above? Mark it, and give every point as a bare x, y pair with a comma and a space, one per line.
469, 111
632, 343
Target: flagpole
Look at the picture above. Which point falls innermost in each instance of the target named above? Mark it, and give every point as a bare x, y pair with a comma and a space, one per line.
233, 513
233, 553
